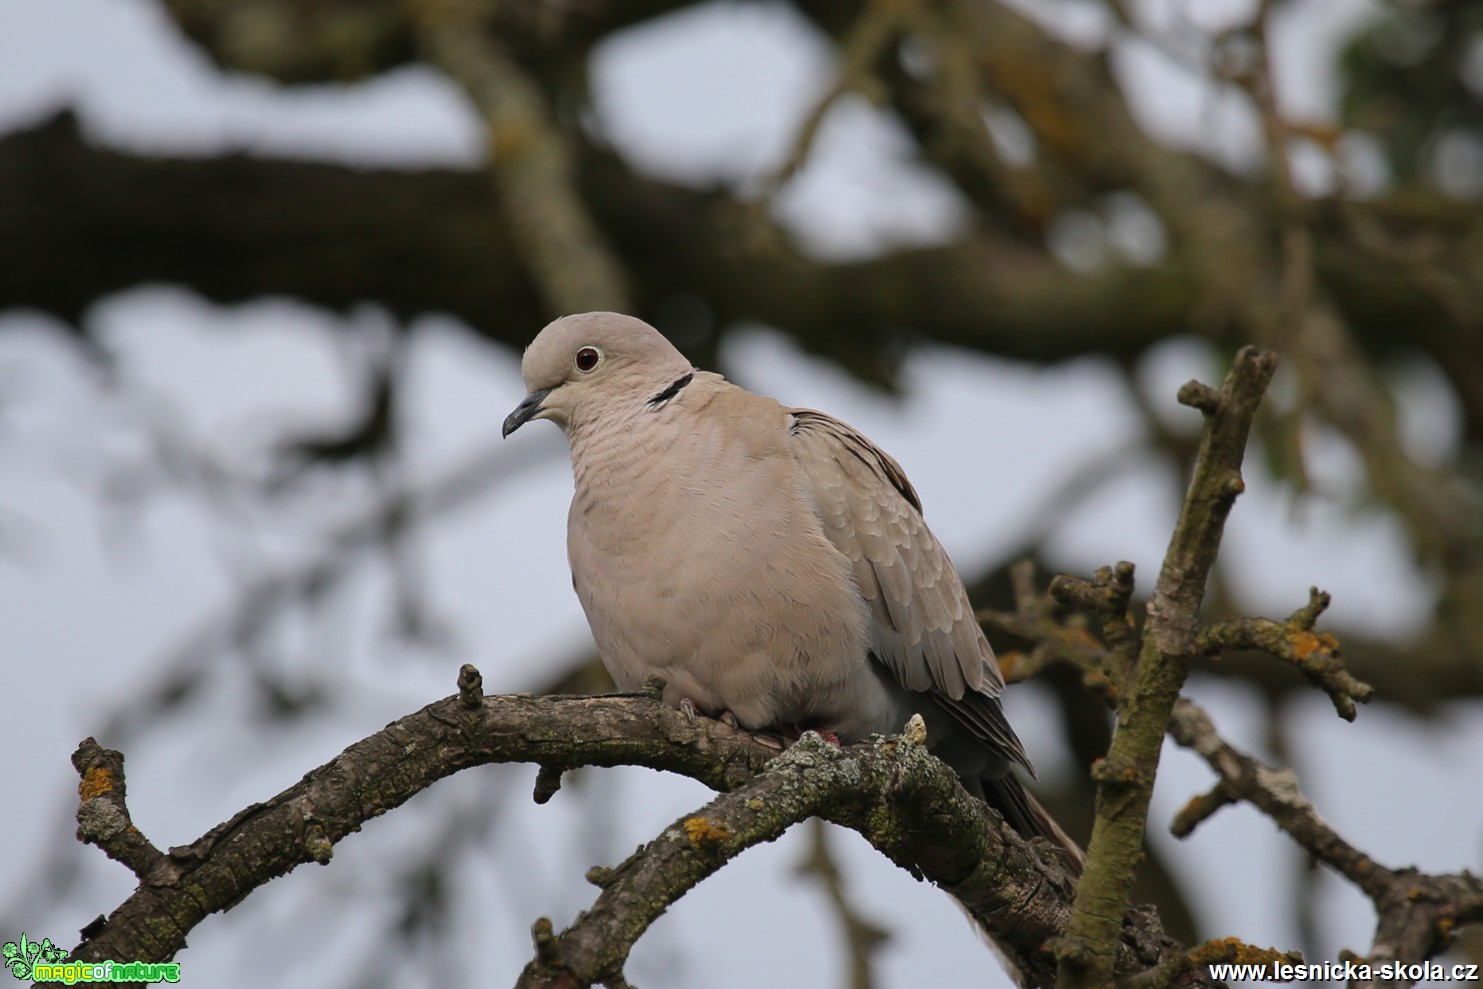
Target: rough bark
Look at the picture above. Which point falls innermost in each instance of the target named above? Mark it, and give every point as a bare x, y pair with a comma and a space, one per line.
908, 804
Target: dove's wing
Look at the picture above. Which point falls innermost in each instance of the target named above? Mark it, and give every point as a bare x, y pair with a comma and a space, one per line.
922, 625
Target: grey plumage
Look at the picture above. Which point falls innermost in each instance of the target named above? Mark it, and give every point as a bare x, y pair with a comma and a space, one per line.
769, 563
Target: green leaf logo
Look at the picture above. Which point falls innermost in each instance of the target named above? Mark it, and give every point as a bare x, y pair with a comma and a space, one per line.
21, 957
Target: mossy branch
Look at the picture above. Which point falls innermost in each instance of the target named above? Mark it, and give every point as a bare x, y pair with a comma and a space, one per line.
908, 804
1147, 692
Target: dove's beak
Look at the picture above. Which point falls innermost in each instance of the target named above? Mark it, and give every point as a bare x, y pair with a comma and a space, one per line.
528, 409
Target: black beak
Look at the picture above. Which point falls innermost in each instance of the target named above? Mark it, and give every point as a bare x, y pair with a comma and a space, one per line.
528, 407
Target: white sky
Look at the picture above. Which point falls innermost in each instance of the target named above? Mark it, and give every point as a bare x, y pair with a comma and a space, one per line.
88, 605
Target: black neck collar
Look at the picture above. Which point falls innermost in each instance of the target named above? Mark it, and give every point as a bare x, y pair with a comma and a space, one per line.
675, 387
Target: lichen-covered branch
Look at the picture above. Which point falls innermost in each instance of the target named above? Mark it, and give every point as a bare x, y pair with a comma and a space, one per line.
904, 801
894, 794
1418, 914
1274, 791
790, 789
103, 812
1147, 692
382, 771
1313, 654
1228, 949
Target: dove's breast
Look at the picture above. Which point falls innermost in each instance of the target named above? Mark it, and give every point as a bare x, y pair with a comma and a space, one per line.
698, 557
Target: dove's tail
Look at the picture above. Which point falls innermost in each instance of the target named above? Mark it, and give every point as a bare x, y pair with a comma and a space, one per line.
1007, 795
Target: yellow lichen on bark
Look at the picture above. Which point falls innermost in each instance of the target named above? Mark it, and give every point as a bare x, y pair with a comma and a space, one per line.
95, 782
706, 835
1306, 643
1230, 949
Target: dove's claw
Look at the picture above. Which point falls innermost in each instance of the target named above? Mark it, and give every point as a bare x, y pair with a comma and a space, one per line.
687, 708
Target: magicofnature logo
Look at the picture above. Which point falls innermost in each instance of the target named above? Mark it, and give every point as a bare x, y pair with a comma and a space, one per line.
43, 962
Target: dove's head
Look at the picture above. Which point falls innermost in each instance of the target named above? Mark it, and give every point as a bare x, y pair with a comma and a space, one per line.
583, 365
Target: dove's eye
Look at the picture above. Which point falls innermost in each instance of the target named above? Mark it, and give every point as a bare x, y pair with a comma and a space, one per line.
588, 358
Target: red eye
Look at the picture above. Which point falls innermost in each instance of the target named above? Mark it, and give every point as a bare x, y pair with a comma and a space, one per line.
587, 358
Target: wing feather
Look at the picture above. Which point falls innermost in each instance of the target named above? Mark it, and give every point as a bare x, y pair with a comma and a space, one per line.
922, 625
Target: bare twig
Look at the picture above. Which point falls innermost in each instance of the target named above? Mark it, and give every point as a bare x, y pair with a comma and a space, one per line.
1054, 639
790, 789
103, 813
1275, 792
1107, 596
1201, 808
1418, 914
1314, 654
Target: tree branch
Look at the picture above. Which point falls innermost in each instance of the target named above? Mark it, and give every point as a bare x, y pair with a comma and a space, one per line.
905, 802
1147, 692
103, 813
1313, 654
88, 221
1274, 791
531, 163
1418, 914
801, 782
344, 40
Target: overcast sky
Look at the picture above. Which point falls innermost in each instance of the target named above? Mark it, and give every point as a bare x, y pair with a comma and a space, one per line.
92, 601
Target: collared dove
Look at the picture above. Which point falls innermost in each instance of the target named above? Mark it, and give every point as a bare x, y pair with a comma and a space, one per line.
770, 564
